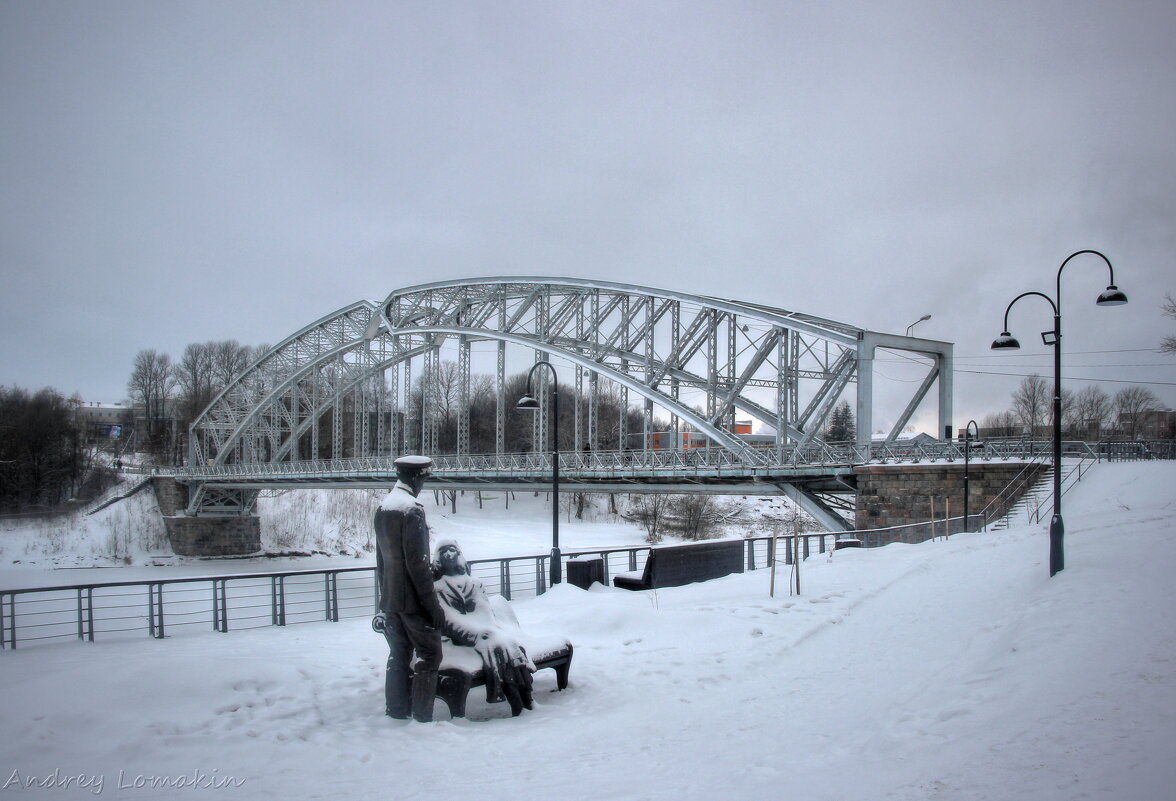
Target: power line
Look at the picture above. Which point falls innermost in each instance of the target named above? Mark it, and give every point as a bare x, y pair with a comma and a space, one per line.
1075, 378
1050, 366
903, 357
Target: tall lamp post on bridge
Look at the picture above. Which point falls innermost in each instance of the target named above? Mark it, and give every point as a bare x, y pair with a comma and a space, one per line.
968, 442
529, 403
916, 322
1111, 296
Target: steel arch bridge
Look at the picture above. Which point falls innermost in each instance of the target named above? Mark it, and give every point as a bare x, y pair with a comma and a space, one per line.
343, 385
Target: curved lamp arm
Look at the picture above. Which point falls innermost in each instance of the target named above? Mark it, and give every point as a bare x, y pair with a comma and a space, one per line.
1111, 297
1006, 339
1048, 300
554, 377
1079, 253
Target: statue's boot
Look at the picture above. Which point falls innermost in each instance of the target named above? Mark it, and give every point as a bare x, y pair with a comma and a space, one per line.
424, 690
511, 691
396, 694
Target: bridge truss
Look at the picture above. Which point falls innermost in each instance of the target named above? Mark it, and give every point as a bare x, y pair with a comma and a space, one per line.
343, 387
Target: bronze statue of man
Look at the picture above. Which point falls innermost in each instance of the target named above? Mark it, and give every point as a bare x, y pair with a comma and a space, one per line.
410, 616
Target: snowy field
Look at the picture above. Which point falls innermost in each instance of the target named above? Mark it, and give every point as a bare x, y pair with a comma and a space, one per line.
948, 670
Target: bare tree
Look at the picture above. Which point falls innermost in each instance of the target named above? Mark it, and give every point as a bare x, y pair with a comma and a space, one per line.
1031, 402
1168, 344
650, 511
229, 360
1089, 411
151, 386
999, 424
194, 379
1133, 406
696, 513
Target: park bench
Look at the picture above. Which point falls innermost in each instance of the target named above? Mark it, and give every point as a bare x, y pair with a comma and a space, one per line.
675, 565
461, 669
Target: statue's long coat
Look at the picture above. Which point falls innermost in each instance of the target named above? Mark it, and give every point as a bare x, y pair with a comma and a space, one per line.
403, 562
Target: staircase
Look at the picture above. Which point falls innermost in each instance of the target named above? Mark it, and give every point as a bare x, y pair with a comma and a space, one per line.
1036, 503
1030, 506
111, 501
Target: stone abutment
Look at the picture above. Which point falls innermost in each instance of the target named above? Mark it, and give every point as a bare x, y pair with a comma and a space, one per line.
203, 536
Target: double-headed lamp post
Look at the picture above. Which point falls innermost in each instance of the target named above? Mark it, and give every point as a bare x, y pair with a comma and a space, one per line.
1111, 296
529, 403
968, 442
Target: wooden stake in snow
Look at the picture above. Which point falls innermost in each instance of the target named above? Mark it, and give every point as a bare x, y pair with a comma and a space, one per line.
772, 583
796, 559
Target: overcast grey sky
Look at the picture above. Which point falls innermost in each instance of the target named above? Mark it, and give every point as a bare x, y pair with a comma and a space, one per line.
182, 172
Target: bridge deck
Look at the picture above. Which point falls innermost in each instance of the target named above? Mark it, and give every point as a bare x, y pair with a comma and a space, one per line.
820, 467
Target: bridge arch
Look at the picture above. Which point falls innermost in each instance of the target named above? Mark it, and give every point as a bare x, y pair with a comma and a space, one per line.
700, 360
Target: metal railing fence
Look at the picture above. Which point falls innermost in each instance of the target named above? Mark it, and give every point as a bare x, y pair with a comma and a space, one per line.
175, 606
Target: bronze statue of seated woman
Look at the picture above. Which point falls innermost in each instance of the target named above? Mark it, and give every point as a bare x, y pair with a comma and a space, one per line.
473, 619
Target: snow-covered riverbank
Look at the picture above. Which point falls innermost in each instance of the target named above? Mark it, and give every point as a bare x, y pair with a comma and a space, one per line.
948, 670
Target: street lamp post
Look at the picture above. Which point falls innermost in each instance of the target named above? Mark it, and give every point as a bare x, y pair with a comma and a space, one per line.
529, 403
967, 459
916, 322
1111, 296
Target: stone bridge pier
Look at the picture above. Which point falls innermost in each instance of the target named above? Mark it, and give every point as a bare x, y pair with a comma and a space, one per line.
207, 535
900, 495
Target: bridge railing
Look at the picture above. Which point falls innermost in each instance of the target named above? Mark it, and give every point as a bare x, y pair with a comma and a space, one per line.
695, 461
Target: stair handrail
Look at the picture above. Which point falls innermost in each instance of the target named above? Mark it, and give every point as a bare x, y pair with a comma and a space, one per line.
1068, 481
1002, 504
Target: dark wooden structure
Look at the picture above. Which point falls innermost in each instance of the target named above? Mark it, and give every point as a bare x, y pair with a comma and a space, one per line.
675, 565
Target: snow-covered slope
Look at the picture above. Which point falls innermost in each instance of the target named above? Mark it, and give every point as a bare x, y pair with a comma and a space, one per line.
948, 670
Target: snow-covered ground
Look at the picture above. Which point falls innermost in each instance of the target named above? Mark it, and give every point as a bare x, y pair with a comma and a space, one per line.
948, 670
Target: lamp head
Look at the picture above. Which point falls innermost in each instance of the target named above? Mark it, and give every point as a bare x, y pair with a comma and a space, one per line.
1006, 341
1112, 296
528, 403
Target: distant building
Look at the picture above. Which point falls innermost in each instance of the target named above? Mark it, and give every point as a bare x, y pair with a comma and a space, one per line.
1148, 424
909, 439
692, 440
99, 422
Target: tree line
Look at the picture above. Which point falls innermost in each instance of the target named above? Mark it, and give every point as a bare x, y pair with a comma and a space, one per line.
1088, 413
172, 394
44, 458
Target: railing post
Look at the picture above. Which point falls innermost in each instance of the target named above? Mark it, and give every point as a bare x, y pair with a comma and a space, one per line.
540, 578
81, 635
220, 606
504, 578
86, 613
749, 547
332, 596
278, 600
8, 621
155, 609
